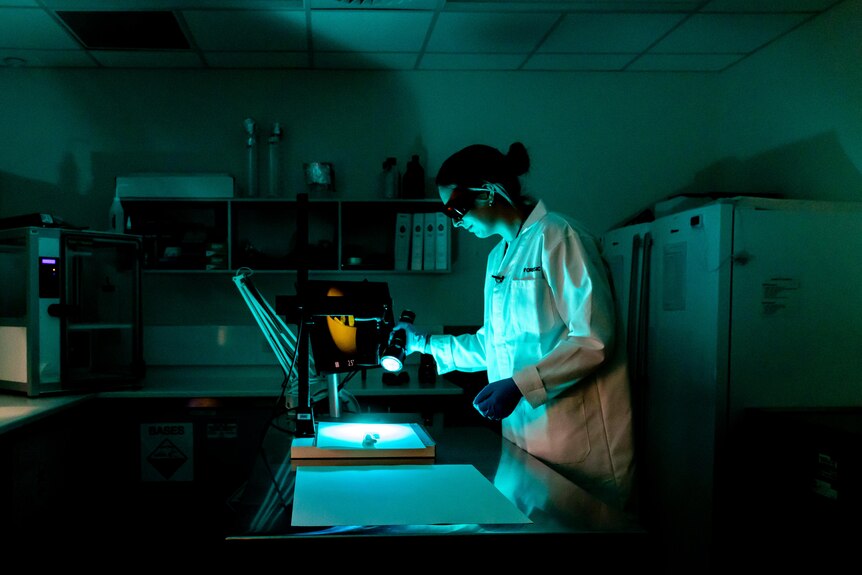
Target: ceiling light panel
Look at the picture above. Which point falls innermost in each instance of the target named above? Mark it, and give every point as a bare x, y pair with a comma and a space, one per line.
171, 4
248, 30
363, 31
110, 30
488, 32
584, 32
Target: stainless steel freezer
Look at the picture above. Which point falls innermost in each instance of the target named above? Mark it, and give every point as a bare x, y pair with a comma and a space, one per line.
740, 303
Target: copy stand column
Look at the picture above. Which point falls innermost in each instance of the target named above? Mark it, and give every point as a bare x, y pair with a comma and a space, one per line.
304, 415
332, 382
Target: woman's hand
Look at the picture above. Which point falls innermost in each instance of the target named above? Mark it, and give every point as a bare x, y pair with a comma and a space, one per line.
498, 400
415, 340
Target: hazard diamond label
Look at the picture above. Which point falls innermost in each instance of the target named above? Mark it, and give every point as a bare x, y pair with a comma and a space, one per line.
167, 452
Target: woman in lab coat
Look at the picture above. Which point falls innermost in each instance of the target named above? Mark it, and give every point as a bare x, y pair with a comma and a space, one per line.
558, 376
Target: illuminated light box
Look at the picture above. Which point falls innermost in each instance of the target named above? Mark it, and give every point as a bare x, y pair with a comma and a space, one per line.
349, 440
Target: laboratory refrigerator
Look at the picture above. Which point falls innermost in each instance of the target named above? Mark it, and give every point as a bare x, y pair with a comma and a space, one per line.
735, 304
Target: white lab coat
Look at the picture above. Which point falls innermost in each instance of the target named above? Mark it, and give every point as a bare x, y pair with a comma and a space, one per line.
550, 324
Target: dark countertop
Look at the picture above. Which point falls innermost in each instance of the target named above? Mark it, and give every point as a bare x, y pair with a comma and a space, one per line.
18, 410
208, 381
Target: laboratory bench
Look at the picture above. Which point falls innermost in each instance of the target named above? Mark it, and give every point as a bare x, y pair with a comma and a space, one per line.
196, 459
559, 521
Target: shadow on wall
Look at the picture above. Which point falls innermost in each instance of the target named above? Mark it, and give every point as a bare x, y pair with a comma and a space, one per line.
817, 168
18, 193
71, 199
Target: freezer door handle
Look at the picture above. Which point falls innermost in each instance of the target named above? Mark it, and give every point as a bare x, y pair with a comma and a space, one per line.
642, 325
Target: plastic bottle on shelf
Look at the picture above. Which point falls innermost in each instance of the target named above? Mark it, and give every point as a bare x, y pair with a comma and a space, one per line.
251, 157
413, 185
274, 189
116, 219
390, 179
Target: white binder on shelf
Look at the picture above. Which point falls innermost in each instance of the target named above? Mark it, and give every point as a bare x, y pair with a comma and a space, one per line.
416, 242
442, 238
429, 261
403, 233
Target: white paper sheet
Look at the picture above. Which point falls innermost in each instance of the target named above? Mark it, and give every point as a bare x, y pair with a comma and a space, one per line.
399, 495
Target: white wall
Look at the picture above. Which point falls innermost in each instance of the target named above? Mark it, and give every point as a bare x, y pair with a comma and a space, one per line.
604, 146
791, 118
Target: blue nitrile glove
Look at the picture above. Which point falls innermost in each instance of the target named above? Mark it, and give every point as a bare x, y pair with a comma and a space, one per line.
498, 400
415, 339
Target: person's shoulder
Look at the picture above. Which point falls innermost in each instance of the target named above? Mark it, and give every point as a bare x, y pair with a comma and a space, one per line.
561, 229
557, 222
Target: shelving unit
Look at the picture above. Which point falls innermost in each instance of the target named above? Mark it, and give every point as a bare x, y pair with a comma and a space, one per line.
212, 235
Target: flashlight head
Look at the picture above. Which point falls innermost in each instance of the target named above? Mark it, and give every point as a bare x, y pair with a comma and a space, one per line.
394, 354
393, 359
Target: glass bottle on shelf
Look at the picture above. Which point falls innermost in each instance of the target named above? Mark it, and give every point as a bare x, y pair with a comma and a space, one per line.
413, 183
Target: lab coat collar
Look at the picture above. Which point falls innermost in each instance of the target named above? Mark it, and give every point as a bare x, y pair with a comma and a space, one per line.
539, 212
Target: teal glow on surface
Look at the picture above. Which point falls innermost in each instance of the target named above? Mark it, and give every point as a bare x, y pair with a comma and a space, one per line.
375, 435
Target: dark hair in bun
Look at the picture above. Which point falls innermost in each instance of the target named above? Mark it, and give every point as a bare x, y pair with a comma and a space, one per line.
518, 159
475, 165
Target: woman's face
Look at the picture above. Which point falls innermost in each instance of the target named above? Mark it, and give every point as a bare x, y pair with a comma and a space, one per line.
481, 221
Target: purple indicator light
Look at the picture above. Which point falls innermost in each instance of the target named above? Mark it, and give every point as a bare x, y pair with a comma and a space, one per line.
51, 261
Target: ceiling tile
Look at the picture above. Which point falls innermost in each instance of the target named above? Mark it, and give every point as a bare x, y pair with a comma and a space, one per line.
573, 5
144, 59
49, 58
397, 34
488, 32
471, 61
126, 30
383, 31
364, 61
26, 28
609, 32
578, 61
684, 62
373, 4
248, 30
768, 5
256, 59
727, 33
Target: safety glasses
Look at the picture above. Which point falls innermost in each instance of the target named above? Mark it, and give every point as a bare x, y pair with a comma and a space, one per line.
460, 202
